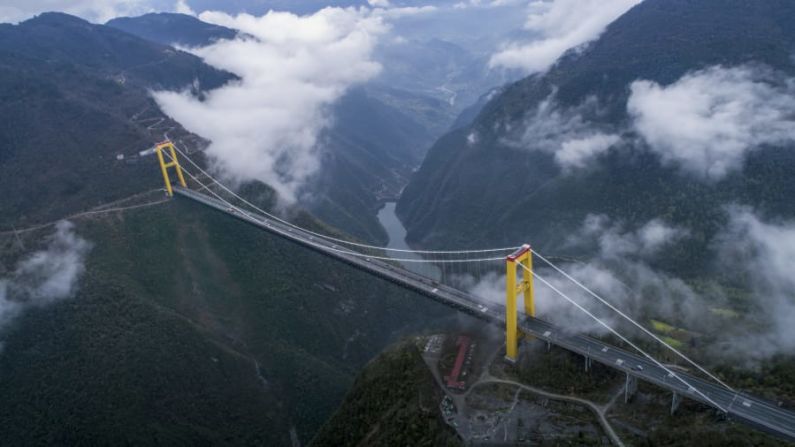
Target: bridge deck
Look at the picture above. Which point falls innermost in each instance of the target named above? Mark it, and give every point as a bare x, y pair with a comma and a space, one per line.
740, 406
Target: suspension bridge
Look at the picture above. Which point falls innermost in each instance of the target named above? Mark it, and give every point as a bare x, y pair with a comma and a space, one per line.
448, 276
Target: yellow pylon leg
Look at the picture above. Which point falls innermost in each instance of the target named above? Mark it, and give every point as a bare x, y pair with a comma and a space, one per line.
173, 163
513, 287
511, 317
164, 169
527, 279
177, 166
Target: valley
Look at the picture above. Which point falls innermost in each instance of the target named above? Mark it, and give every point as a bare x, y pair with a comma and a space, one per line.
648, 163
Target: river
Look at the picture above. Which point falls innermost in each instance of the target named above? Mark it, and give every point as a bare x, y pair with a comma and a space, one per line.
397, 239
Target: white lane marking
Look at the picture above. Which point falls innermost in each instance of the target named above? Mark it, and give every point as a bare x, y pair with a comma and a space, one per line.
746, 404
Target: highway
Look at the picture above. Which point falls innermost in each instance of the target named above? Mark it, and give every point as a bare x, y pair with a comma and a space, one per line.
743, 407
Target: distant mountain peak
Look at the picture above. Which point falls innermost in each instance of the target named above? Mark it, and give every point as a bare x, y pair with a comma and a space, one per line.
56, 17
173, 29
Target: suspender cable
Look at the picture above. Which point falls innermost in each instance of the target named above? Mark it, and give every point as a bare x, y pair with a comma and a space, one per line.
328, 237
635, 323
346, 251
624, 339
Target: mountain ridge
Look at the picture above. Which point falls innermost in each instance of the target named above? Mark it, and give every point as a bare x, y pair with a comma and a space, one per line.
512, 194
226, 341
173, 29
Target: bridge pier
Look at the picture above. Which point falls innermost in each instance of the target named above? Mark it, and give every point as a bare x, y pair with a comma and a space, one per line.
588, 363
513, 360
630, 387
676, 399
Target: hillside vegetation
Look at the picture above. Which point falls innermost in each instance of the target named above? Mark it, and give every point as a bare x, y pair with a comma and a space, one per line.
190, 327
394, 401
73, 96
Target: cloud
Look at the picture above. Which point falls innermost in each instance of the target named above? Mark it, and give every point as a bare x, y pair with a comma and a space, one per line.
182, 7
292, 68
764, 252
394, 13
758, 254
614, 242
45, 276
486, 3
577, 152
557, 26
565, 132
490, 287
618, 269
708, 120
619, 272
621, 267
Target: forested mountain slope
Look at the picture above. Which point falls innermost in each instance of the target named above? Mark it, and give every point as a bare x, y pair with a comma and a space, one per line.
186, 327
189, 327
173, 29
74, 96
502, 174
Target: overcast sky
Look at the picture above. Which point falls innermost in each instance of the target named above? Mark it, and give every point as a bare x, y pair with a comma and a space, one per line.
101, 11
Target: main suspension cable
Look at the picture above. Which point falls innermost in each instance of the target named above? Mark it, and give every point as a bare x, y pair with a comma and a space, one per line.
346, 251
329, 237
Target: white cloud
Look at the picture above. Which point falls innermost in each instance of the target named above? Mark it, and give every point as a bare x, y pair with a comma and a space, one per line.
656, 234
578, 152
485, 3
618, 269
182, 7
759, 253
266, 126
490, 288
556, 26
765, 253
407, 11
620, 272
45, 276
615, 242
98, 11
709, 120
565, 132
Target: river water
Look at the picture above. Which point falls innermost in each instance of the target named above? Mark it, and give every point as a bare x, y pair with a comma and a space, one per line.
397, 239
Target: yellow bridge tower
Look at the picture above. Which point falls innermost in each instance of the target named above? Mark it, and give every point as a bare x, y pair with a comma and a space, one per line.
514, 287
174, 163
